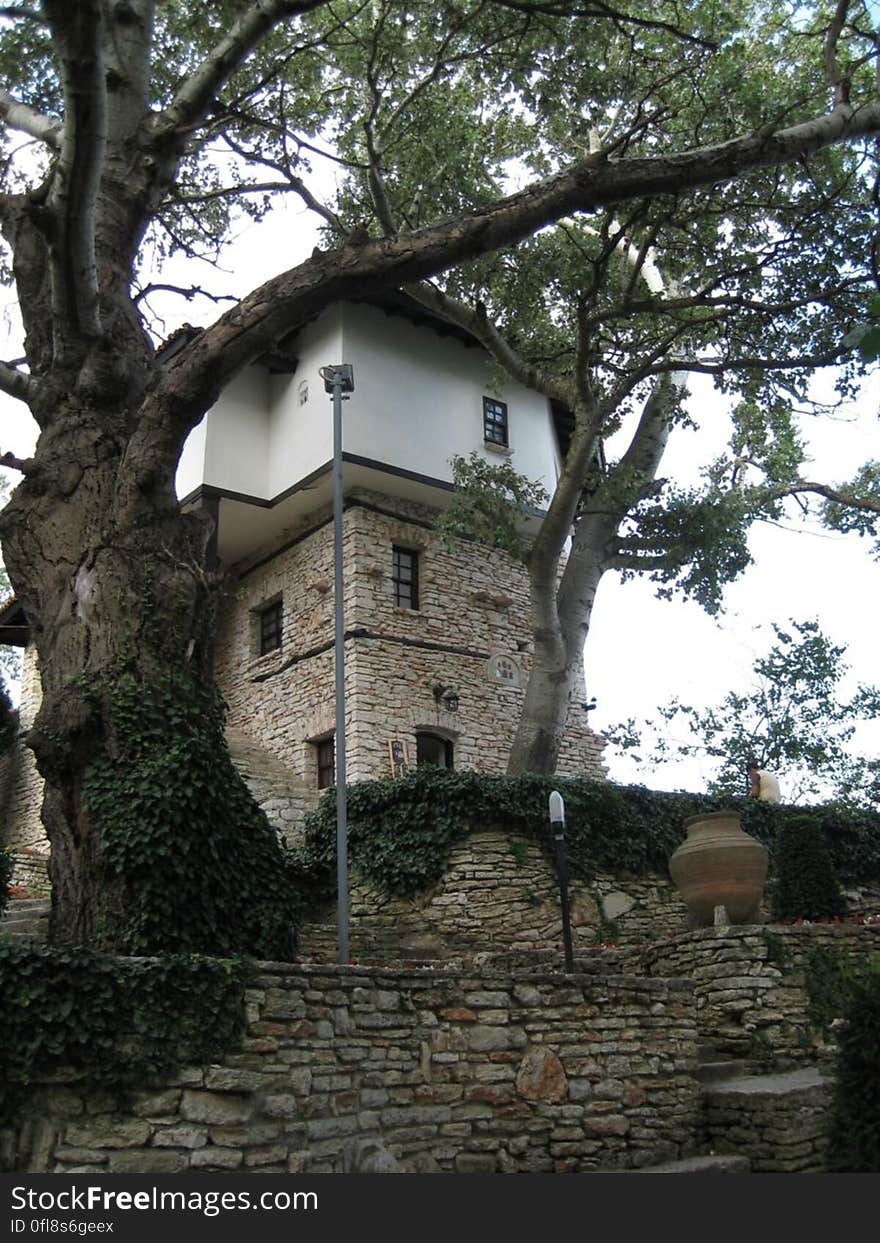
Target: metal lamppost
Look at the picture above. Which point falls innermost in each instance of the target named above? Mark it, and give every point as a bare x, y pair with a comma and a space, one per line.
339, 381
557, 824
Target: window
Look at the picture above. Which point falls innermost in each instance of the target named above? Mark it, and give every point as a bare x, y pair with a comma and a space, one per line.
405, 577
495, 422
271, 621
325, 759
432, 749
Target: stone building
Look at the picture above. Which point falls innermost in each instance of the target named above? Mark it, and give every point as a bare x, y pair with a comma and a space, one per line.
438, 640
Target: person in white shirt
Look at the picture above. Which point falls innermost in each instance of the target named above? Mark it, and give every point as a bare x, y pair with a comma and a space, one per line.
762, 785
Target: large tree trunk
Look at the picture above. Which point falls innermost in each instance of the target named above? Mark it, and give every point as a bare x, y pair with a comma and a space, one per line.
560, 632
107, 584
156, 844
562, 611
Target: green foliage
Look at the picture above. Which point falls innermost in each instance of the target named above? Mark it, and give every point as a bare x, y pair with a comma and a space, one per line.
869, 335
855, 1129
805, 887
200, 866
489, 504
865, 522
692, 542
401, 832
777, 951
120, 1021
792, 718
5, 876
831, 977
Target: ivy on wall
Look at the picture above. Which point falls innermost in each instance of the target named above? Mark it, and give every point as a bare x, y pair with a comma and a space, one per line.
401, 831
201, 866
119, 1020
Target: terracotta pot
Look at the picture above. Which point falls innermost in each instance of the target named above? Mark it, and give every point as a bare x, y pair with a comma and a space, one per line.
719, 865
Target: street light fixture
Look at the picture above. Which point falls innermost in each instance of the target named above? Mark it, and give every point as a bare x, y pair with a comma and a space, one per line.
557, 824
339, 382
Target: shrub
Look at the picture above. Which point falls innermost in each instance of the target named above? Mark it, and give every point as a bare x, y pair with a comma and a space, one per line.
401, 831
806, 886
855, 1127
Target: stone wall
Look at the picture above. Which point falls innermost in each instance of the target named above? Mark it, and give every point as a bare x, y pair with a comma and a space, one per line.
22, 830
358, 1069
498, 892
473, 606
750, 984
30, 871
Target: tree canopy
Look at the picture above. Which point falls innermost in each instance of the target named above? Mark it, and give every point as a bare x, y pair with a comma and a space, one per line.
795, 719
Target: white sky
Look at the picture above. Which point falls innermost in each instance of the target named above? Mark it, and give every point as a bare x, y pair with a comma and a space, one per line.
641, 650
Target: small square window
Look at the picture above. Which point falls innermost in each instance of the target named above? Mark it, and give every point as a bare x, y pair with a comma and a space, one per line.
271, 621
325, 761
495, 422
405, 577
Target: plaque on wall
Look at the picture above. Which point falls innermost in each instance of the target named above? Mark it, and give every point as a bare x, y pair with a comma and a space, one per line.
504, 670
399, 754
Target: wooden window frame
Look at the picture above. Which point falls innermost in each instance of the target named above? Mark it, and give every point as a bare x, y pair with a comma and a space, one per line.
321, 767
406, 591
496, 428
270, 636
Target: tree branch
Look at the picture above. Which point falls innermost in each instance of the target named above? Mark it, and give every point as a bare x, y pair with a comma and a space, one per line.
597, 9
15, 383
25, 466
849, 500
27, 120
294, 184
282, 303
192, 102
13, 11
836, 79
194, 291
478, 324
76, 31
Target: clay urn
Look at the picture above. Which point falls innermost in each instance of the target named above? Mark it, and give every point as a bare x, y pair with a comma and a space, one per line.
719, 865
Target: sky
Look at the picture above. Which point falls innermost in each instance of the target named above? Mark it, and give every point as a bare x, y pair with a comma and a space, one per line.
641, 651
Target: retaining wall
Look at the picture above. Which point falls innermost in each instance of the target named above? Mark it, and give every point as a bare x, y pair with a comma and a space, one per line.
358, 1069
751, 984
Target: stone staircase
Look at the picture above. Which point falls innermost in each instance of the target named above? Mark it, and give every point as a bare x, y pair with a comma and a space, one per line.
26, 919
282, 795
778, 1120
773, 1123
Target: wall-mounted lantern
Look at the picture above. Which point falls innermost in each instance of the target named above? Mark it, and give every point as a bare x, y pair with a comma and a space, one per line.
446, 697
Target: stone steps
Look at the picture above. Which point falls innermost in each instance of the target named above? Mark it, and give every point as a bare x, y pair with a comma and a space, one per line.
709, 1164
26, 919
777, 1120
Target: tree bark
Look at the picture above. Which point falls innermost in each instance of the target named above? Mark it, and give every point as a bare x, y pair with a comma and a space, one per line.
103, 591
562, 611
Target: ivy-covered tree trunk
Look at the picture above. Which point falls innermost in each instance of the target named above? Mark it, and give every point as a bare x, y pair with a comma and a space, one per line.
111, 583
